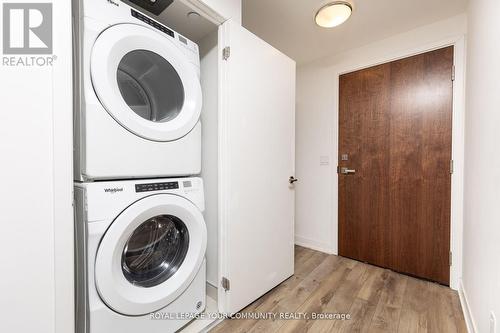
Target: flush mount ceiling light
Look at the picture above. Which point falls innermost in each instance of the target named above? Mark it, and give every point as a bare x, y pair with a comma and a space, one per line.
333, 14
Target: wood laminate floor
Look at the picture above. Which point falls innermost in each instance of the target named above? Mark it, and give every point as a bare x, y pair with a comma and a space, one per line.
377, 299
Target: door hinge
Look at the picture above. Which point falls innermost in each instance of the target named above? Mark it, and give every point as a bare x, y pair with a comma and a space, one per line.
452, 168
226, 53
451, 258
226, 284
453, 73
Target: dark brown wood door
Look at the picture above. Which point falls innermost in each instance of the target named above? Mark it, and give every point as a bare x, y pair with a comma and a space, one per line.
395, 123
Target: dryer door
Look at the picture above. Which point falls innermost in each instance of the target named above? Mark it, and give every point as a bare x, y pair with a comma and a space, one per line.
150, 254
145, 82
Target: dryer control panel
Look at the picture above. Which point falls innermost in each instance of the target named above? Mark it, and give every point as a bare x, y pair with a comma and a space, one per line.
152, 23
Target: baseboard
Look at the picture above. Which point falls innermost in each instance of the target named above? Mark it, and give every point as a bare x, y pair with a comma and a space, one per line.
313, 245
469, 319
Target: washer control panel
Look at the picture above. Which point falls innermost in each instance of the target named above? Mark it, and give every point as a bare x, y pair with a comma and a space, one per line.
139, 188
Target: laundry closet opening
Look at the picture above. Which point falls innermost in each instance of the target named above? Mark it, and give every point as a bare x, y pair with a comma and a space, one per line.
156, 130
203, 30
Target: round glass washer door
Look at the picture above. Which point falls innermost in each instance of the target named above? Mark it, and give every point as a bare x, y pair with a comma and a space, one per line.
145, 82
150, 254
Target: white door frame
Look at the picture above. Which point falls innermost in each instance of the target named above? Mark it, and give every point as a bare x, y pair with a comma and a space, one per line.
62, 132
458, 129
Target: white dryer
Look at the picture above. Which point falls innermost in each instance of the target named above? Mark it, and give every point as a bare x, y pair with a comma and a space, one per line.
139, 98
140, 255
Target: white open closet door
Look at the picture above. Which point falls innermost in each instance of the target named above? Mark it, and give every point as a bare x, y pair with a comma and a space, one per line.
257, 158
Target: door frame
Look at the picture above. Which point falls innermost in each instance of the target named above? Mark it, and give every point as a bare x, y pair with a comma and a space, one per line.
458, 143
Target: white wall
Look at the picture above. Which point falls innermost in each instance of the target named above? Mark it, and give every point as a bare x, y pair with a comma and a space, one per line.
36, 283
316, 212
481, 272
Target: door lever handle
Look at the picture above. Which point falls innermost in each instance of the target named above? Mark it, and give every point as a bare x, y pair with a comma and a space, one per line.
292, 180
347, 171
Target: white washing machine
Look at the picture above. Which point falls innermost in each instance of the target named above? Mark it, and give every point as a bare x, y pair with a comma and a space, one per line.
140, 255
139, 98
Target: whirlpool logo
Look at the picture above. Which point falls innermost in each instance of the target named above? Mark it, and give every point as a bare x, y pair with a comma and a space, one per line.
27, 31
113, 190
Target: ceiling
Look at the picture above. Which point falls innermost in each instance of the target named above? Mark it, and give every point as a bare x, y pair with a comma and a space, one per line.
289, 25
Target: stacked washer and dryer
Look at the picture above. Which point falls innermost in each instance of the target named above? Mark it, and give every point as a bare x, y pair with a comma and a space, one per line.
140, 233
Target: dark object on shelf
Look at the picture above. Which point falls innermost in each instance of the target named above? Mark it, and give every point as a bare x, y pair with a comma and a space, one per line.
153, 6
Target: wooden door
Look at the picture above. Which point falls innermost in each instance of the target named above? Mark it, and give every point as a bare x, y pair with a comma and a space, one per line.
257, 157
395, 123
